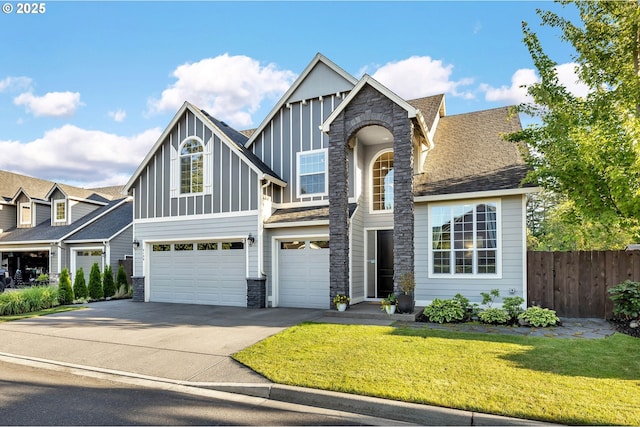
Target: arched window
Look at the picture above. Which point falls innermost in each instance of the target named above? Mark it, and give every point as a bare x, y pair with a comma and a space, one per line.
382, 182
191, 167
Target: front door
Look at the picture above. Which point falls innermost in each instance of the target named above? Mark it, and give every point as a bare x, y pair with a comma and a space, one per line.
384, 263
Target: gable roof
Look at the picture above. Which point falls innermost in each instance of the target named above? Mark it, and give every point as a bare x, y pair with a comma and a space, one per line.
318, 59
46, 233
107, 226
470, 155
11, 183
78, 194
234, 139
430, 107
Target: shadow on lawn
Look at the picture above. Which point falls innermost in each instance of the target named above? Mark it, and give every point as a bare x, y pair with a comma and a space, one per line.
613, 357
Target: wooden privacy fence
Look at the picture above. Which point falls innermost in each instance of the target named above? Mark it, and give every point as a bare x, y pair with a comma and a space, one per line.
575, 284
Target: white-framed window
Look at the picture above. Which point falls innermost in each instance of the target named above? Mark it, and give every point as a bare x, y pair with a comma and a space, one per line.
312, 173
60, 211
25, 213
191, 166
465, 239
382, 182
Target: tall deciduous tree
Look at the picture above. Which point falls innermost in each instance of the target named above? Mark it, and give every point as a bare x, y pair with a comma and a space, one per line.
587, 148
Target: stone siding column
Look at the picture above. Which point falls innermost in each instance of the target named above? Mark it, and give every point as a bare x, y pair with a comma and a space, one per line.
138, 288
338, 211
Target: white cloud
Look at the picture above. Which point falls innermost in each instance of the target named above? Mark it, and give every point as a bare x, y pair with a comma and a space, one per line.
78, 156
118, 116
517, 92
15, 83
52, 104
230, 88
420, 76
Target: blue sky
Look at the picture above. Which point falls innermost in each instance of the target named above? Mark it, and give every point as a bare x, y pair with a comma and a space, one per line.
87, 87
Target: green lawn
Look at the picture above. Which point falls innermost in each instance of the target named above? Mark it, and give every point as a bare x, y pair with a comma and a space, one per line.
568, 381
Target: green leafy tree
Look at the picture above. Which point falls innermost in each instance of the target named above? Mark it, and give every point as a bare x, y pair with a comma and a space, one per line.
108, 285
65, 291
587, 148
80, 290
121, 279
95, 283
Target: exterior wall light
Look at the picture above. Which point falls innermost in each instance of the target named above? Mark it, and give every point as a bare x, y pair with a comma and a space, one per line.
251, 240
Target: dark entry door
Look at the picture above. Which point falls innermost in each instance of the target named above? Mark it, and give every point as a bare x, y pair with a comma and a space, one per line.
384, 262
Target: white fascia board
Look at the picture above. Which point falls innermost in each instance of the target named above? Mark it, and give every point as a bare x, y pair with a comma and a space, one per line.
318, 58
368, 80
476, 194
155, 147
297, 224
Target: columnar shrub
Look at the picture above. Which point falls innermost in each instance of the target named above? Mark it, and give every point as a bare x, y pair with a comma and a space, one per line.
95, 283
626, 300
65, 291
80, 290
121, 280
108, 285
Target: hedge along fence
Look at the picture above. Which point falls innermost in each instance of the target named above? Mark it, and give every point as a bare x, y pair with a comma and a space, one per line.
28, 300
575, 284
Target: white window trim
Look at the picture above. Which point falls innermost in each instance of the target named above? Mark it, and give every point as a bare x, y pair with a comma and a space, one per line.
55, 211
472, 276
370, 189
326, 174
20, 216
177, 165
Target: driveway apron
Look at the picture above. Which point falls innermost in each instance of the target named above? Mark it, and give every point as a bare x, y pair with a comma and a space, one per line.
175, 341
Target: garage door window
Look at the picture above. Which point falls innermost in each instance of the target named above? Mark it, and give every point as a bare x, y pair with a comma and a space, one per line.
232, 245
89, 253
208, 246
183, 246
161, 248
314, 244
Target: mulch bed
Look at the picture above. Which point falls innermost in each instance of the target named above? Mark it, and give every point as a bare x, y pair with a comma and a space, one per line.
623, 327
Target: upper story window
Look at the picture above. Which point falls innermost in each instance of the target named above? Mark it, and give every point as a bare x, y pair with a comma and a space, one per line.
312, 173
382, 182
60, 211
25, 213
191, 167
464, 239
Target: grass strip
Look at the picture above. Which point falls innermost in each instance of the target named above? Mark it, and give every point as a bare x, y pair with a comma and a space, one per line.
567, 381
54, 310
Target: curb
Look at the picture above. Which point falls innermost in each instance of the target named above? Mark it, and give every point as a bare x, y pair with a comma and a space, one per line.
369, 406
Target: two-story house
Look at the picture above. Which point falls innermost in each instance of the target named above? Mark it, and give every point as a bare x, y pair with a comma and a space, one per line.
47, 226
342, 188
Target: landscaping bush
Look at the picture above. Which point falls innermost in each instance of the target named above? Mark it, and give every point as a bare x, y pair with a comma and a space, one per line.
80, 290
626, 300
27, 300
108, 285
513, 306
441, 311
494, 316
121, 280
539, 317
65, 291
95, 283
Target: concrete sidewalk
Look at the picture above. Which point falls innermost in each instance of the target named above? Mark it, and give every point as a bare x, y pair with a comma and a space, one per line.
191, 345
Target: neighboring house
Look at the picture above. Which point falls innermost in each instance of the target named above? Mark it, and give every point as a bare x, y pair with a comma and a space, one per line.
342, 188
47, 226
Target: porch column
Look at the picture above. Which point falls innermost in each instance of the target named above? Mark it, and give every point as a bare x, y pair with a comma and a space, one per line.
338, 211
403, 212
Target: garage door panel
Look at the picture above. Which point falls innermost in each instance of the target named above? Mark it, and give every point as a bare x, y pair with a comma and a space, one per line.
215, 276
303, 277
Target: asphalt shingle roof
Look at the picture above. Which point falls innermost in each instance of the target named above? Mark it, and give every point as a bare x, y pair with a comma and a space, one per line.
105, 227
470, 155
307, 213
46, 232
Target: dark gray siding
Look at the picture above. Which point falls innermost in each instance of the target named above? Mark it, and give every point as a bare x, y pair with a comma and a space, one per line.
80, 209
8, 217
293, 129
230, 184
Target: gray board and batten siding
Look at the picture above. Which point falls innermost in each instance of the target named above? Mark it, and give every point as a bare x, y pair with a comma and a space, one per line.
232, 185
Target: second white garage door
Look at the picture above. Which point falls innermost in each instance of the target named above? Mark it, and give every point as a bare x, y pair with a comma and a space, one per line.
303, 273
198, 273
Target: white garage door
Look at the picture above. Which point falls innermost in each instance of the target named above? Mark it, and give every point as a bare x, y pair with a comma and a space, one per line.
198, 273
303, 273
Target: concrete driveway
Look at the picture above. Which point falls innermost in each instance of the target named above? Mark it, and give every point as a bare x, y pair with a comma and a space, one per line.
174, 341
